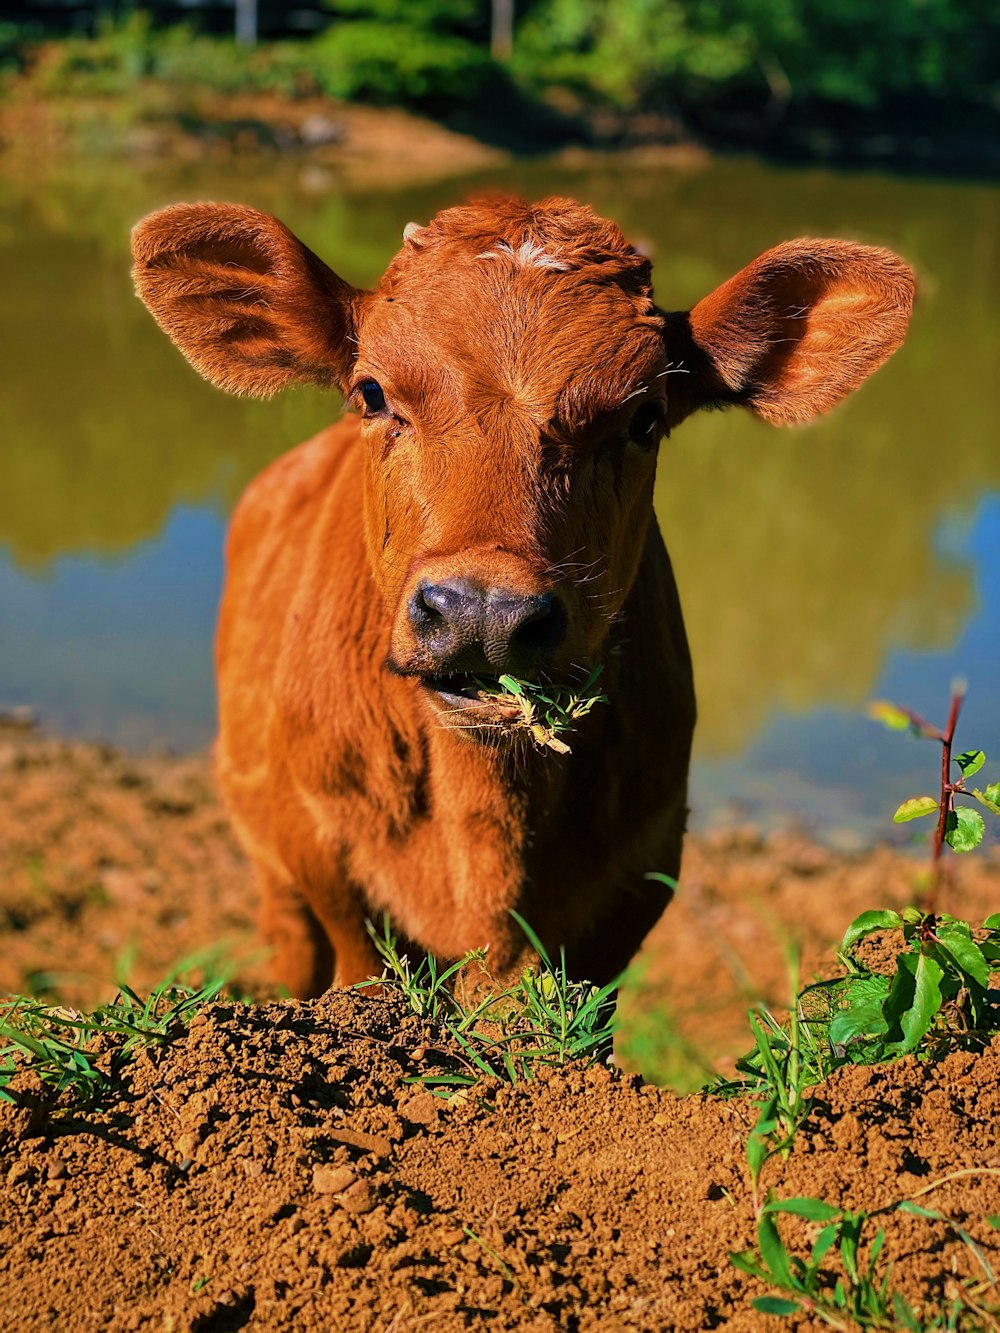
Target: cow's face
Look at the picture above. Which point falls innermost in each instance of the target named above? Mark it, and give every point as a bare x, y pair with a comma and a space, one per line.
512, 376
515, 380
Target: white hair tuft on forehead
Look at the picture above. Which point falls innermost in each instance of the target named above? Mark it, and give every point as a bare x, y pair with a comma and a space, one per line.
529, 254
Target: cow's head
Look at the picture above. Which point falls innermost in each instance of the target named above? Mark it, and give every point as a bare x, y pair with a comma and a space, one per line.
515, 380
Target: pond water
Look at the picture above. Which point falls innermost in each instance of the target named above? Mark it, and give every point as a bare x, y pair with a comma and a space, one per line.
819, 568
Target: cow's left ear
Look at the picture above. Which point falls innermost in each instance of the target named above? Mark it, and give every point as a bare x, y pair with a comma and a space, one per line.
793, 333
247, 303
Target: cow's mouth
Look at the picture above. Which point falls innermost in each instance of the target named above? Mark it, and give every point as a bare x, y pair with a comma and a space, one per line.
505, 705
470, 692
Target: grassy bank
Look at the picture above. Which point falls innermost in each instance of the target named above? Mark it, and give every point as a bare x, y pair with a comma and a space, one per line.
903, 82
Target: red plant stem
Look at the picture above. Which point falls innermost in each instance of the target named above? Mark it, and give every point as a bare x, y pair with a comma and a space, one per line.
947, 797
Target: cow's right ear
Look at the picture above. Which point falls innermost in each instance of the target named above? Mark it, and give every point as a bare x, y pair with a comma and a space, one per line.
247, 303
792, 333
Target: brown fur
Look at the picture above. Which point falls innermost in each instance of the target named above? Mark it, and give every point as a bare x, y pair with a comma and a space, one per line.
513, 344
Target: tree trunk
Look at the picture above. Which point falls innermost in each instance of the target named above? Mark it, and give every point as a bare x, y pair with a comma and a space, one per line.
502, 29
246, 22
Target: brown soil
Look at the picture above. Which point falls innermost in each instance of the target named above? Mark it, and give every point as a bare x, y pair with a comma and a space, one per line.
274, 1168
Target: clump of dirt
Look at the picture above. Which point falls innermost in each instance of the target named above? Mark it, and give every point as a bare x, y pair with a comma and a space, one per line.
278, 1167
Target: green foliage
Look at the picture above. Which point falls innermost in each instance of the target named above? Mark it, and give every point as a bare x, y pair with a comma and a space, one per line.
358, 58
761, 57
544, 1019
84, 1054
397, 62
935, 997
842, 1282
694, 52
932, 997
964, 827
778, 1072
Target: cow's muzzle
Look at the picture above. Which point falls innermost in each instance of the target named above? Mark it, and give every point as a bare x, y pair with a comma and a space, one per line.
462, 628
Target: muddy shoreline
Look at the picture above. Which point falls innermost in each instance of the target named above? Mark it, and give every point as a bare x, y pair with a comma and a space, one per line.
371, 146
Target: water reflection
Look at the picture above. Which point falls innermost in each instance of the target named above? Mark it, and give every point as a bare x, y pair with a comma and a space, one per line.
804, 558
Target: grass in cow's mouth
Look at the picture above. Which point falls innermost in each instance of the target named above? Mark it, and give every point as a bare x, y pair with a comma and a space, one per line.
546, 712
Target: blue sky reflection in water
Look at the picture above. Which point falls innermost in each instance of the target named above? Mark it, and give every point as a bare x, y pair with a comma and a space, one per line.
120, 648
818, 568
837, 770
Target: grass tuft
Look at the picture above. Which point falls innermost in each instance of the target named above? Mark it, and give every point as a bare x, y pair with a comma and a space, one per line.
844, 1283
543, 1020
83, 1054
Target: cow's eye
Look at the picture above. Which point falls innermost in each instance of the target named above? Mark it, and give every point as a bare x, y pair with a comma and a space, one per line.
374, 398
645, 424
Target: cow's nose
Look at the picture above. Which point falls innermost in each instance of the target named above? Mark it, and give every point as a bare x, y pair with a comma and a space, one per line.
465, 628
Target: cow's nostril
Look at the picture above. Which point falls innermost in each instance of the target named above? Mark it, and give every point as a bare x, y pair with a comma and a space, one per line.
423, 611
542, 625
435, 606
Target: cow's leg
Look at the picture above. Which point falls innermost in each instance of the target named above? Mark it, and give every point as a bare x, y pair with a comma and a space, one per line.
605, 951
341, 911
319, 940
302, 959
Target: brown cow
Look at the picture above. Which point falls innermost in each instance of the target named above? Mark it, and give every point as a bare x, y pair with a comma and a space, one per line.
488, 509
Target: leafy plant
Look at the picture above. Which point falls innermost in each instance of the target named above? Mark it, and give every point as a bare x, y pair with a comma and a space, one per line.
543, 1019
546, 712
860, 1294
960, 826
937, 993
783, 1065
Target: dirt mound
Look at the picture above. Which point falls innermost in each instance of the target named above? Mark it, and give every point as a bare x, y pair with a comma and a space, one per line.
277, 1168
280, 1165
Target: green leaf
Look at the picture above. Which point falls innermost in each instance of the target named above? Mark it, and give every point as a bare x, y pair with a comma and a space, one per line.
658, 877
965, 828
758, 1149
966, 953
907, 1206
866, 923
881, 710
915, 808
994, 1221
822, 1243
992, 922
813, 1210
511, 685
990, 798
916, 1019
773, 1252
775, 1305
863, 1020
970, 762
904, 1312
746, 1262
850, 1236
